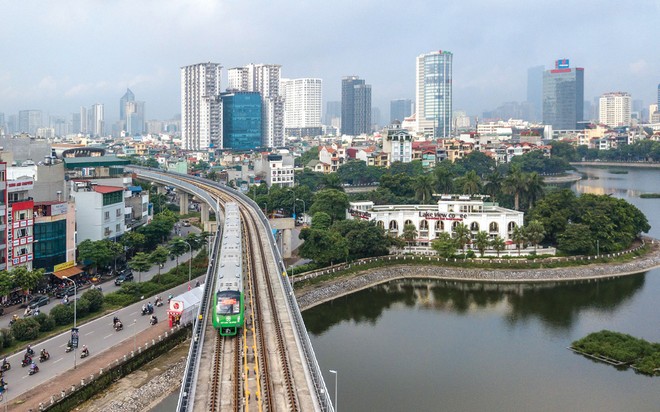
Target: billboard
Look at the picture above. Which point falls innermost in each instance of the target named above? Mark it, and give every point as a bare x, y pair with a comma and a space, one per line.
562, 64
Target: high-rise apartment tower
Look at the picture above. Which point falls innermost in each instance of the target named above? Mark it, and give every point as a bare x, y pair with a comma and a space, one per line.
201, 107
355, 106
433, 97
563, 96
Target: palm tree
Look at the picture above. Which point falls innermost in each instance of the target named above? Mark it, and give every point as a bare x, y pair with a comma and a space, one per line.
534, 232
493, 185
423, 186
533, 188
498, 244
444, 180
514, 183
462, 234
481, 241
518, 237
471, 182
409, 233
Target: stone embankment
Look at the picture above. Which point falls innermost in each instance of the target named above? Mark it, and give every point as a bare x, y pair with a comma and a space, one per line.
311, 296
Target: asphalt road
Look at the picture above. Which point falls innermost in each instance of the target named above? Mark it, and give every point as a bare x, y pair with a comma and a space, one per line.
98, 334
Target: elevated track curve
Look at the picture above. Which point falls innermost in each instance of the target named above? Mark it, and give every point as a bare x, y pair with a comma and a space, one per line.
293, 381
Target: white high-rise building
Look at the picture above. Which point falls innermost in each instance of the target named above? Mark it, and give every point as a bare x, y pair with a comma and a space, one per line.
614, 109
97, 120
302, 106
433, 97
201, 107
265, 79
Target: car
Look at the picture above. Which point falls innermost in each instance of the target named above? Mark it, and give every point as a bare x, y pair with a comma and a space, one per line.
38, 301
67, 291
126, 276
186, 223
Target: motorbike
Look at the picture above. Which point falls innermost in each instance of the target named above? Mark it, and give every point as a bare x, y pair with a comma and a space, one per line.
148, 310
44, 358
84, 354
26, 361
159, 302
33, 370
69, 348
118, 326
153, 321
6, 366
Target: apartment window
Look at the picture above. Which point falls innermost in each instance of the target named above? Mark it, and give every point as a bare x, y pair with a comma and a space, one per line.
118, 211
118, 228
107, 215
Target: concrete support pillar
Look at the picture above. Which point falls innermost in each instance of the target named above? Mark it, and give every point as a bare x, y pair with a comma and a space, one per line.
184, 200
160, 189
204, 212
286, 243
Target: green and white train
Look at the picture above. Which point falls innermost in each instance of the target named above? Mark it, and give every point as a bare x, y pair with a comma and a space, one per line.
228, 306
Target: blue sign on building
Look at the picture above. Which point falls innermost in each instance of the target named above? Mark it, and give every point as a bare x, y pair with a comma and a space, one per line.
562, 64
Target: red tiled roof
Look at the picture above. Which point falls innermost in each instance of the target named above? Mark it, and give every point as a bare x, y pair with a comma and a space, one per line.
107, 189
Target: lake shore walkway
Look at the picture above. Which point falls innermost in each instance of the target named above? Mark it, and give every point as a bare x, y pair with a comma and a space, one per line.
313, 295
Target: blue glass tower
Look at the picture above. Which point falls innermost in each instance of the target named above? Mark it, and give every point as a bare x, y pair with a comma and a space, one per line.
241, 120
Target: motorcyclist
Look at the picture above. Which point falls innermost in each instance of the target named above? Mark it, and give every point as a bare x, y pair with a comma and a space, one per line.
4, 363
150, 307
84, 350
34, 367
144, 308
65, 300
115, 320
197, 284
29, 351
44, 354
159, 301
169, 297
153, 320
27, 312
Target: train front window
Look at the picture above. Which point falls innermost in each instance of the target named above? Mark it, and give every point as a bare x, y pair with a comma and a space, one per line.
229, 303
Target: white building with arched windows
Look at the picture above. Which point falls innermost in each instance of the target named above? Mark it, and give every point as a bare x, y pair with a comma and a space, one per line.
431, 220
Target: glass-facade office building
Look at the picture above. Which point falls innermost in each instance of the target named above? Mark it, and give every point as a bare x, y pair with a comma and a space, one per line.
433, 99
563, 96
241, 120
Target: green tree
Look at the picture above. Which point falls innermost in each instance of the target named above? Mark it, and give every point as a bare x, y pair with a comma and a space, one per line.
26, 279
332, 181
307, 156
498, 244
573, 240
409, 233
462, 234
133, 240
25, 329
444, 178
423, 185
444, 244
533, 188
63, 314
478, 162
323, 246
98, 253
95, 299
365, 239
140, 263
482, 241
331, 201
159, 256
470, 183
518, 237
177, 248
493, 185
514, 183
534, 233
554, 212
321, 220
6, 283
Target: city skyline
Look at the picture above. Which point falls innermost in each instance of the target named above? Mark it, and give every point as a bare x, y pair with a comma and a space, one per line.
490, 59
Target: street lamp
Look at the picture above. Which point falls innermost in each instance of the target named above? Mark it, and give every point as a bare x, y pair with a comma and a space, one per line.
189, 262
134, 333
336, 374
75, 293
266, 209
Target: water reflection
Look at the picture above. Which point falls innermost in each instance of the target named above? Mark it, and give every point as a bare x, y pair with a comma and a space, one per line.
556, 305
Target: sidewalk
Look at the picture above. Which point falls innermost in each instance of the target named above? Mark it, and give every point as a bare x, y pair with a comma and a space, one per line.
72, 377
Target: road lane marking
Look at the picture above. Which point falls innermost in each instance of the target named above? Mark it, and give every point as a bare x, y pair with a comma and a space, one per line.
106, 337
134, 313
89, 333
58, 360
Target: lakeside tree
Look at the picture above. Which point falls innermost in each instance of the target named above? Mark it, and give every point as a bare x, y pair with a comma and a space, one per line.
321, 220
518, 237
463, 235
482, 241
534, 233
514, 184
498, 244
364, 239
573, 240
470, 183
444, 178
444, 244
323, 246
409, 233
423, 185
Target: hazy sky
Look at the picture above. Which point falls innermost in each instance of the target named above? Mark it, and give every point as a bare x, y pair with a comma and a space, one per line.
59, 55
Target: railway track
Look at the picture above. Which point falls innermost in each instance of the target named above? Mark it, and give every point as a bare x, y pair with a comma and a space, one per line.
255, 369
